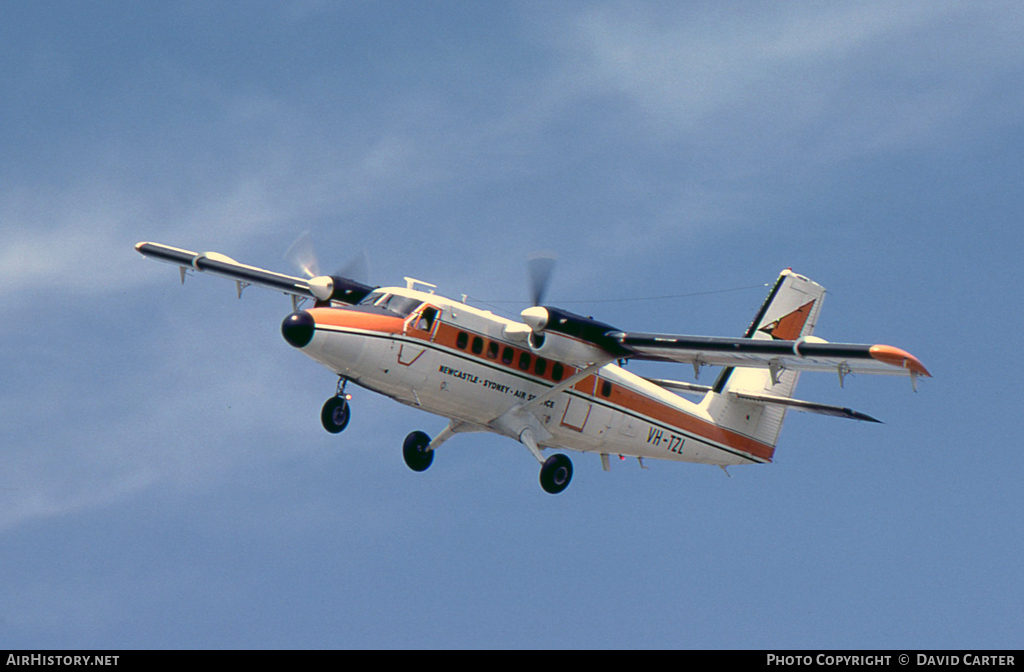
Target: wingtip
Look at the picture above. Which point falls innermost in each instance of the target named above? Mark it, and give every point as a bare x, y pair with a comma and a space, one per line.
899, 358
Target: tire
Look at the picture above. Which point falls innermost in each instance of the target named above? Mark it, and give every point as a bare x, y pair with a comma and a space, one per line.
415, 452
335, 415
556, 474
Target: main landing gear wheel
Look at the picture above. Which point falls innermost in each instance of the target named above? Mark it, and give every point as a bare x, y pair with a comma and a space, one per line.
335, 414
556, 474
415, 452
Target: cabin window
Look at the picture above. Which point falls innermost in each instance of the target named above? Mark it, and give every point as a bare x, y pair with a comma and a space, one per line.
478, 345
462, 340
540, 366
492, 350
606, 388
557, 371
524, 361
507, 354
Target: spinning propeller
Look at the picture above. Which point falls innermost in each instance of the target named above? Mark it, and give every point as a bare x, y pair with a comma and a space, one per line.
541, 319
540, 269
347, 284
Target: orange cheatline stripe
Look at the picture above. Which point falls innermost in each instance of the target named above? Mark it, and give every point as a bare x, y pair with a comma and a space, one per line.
662, 412
446, 336
899, 358
356, 319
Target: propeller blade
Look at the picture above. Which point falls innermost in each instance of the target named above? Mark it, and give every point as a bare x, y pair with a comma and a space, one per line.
302, 255
357, 268
541, 267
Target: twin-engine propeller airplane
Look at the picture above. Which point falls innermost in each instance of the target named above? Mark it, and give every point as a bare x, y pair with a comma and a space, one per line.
552, 380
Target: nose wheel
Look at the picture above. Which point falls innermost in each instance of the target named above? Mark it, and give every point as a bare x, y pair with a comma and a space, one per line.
336, 411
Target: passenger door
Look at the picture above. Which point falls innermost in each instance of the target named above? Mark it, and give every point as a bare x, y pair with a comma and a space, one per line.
420, 325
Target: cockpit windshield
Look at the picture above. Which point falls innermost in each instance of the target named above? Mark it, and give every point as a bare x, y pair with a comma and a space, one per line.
371, 298
401, 305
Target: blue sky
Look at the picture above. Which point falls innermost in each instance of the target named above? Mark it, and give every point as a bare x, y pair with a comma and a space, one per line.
165, 481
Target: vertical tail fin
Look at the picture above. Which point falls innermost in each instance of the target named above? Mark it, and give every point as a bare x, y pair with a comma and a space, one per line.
789, 313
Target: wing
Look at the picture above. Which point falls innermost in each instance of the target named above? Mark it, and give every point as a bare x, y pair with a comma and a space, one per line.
322, 288
779, 339
806, 354
219, 264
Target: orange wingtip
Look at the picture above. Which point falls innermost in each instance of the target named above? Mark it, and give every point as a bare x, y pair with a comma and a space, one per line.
900, 358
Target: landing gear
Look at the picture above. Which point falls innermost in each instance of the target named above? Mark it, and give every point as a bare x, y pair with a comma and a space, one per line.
335, 414
555, 474
415, 452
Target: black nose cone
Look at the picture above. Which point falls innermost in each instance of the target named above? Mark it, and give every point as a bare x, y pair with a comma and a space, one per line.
298, 329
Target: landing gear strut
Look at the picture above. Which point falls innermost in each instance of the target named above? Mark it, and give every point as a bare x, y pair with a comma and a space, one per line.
555, 472
415, 452
335, 413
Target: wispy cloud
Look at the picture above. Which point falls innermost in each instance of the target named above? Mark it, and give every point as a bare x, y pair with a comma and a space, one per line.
826, 80
696, 112
122, 422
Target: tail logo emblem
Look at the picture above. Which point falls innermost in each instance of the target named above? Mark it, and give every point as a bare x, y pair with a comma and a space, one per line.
788, 327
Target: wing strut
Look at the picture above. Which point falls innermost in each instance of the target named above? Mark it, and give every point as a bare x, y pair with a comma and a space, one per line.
566, 384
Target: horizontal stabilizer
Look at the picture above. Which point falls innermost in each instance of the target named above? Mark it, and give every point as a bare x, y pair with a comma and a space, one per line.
807, 406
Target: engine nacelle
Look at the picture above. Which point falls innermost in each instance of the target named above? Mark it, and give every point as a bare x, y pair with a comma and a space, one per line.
561, 348
197, 261
337, 288
563, 336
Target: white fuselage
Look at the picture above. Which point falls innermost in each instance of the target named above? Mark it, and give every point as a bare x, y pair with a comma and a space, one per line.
472, 367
